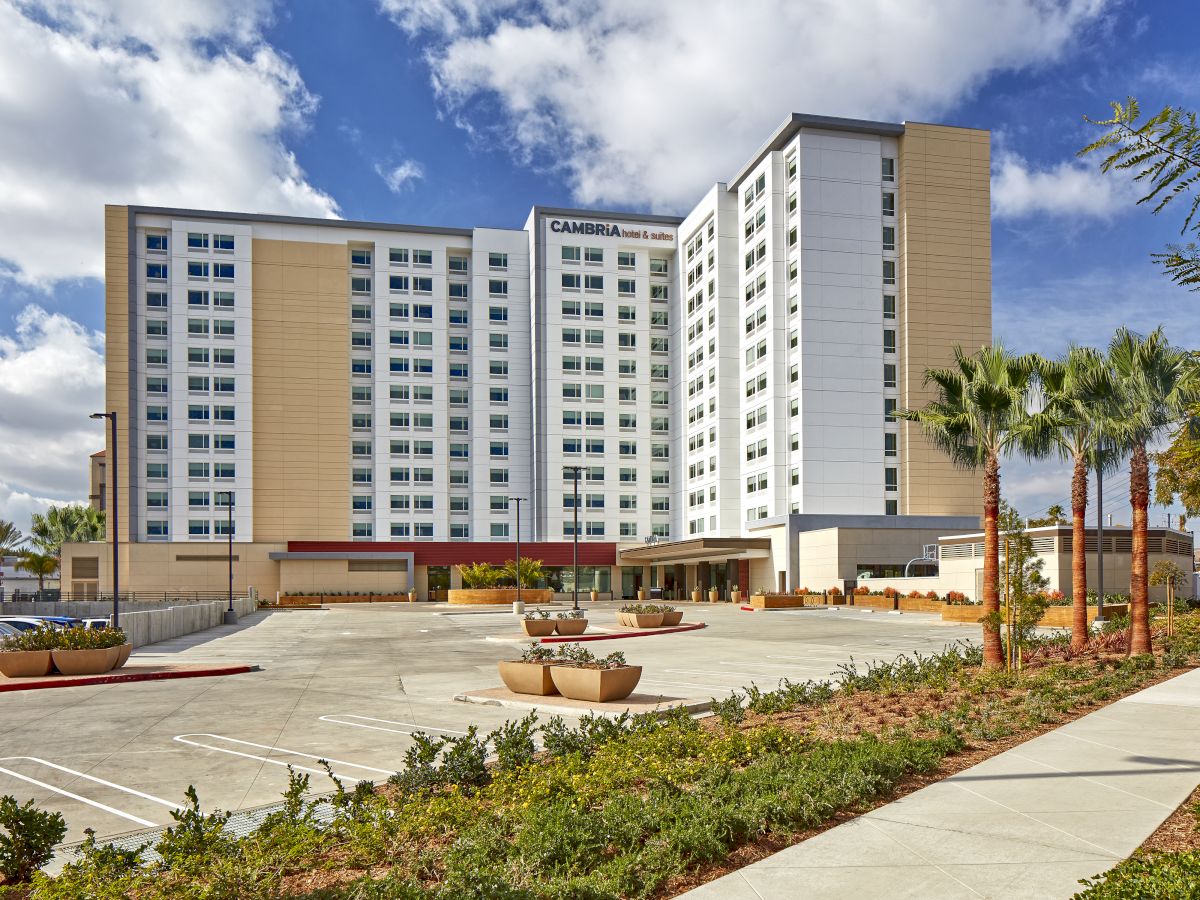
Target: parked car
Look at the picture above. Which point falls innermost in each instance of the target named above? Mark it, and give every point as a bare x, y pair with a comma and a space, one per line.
95, 622
7, 630
25, 623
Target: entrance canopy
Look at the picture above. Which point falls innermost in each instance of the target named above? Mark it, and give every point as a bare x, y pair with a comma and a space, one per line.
699, 550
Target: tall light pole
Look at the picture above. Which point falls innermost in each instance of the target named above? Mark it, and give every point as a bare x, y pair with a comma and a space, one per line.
230, 616
575, 541
518, 604
1099, 532
115, 516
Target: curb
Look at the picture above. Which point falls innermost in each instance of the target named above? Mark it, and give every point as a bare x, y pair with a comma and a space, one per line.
109, 678
571, 639
695, 707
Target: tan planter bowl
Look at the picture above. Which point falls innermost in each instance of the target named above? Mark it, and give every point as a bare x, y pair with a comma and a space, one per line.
595, 596
596, 685
696, 596
641, 595
735, 597
570, 626
85, 662
527, 678
640, 620
714, 596
672, 618
26, 663
123, 656
537, 627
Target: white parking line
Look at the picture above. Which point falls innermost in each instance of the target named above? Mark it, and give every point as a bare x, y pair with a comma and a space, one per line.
408, 727
85, 800
184, 739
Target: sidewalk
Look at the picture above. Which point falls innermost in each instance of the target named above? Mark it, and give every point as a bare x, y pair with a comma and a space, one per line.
1027, 823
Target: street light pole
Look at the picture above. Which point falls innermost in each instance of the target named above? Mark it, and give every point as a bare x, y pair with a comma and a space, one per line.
1099, 533
575, 541
230, 616
115, 517
519, 604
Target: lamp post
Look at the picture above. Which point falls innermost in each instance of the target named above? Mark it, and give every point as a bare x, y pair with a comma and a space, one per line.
575, 540
231, 617
116, 535
1099, 533
518, 604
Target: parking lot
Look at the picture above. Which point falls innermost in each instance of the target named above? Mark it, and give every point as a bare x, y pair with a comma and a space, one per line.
350, 684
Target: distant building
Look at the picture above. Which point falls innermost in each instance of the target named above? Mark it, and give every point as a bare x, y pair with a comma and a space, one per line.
98, 493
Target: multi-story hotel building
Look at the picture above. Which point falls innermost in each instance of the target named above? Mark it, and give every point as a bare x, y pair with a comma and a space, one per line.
709, 398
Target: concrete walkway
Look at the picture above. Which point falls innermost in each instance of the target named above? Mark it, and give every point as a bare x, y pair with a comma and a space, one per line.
1028, 823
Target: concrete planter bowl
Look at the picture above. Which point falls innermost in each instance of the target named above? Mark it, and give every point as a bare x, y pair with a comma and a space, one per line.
595, 685
570, 626
85, 662
537, 627
123, 654
26, 663
527, 678
672, 618
640, 620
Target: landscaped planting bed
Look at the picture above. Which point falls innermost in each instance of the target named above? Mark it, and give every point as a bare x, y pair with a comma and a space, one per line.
636, 807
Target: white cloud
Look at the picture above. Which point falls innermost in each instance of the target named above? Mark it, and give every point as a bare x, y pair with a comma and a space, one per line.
646, 104
51, 379
106, 101
1069, 189
398, 177
18, 506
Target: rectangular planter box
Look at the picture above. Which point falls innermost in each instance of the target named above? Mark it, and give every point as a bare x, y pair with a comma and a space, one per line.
920, 604
318, 599
869, 601
786, 601
498, 596
1054, 617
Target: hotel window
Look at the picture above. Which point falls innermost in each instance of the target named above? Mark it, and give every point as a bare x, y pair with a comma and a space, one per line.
362, 530
399, 448
197, 241
498, 287
594, 418
571, 281
361, 503
458, 290
223, 271
458, 396
398, 256
594, 391
458, 343
593, 336
156, 356
889, 203
400, 419
889, 443
158, 470
360, 367
360, 448
497, 260
626, 314
658, 318
626, 287
198, 528
498, 422
460, 477
399, 475
889, 237
423, 529
360, 284
456, 263
457, 316
626, 340
198, 470
888, 169
423, 366
223, 242
658, 345
360, 393
457, 370
891, 480
626, 259
197, 441
572, 445
889, 409
223, 327
197, 298
360, 257
627, 476
156, 327
360, 420
594, 364
422, 476
360, 339
156, 243
197, 383
497, 341
399, 529
889, 340
593, 310
889, 306
497, 313
498, 476
570, 254
398, 283
593, 255
156, 299
156, 271
658, 292
499, 529
223, 299
889, 375
422, 257
156, 414
593, 282
889, 271
422, 448
659, 266
422, 284
571, 307
498, 395
360, 313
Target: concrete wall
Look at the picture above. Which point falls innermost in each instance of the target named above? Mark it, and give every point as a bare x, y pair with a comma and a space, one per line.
143, 623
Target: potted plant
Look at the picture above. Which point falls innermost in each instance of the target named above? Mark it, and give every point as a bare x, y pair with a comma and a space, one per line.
641, 595
670, 615
735, 595
714, 595
570, 622
412, 596
28, 654
581, 676
696, 595
537, 623
595, 595
637, 615
88, 651
531, 673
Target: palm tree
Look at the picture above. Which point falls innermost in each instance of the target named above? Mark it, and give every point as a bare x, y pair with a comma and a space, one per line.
72, 523
41, 565
11, 538
1155, 384
1076, 390
981, 414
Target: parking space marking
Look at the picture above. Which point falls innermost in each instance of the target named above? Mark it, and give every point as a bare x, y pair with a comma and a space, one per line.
184, 739
334, 719
93, 803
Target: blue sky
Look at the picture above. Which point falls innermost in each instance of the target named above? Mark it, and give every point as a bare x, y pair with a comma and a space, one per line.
466, 112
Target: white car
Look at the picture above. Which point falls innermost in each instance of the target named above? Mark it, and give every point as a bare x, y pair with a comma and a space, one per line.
28, 623
95, 622
7, 630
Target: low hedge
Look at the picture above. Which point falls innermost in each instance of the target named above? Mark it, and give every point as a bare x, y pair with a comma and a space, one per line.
51, 638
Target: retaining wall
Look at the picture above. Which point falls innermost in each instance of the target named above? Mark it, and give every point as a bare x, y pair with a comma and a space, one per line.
143, 623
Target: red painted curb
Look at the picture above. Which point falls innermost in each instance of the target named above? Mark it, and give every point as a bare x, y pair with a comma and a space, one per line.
109, 678
568, 639
747, 608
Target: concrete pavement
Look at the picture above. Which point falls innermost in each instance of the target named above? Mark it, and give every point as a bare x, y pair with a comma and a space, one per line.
1027, 823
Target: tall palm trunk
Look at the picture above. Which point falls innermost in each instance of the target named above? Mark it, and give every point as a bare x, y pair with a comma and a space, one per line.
1139, 498
993, 656
1079, 487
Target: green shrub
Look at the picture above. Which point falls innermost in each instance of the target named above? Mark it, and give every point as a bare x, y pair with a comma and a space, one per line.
27, 838
1161, 876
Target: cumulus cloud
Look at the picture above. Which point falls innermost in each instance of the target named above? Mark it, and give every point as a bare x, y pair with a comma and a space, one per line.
399, 177
105, 101
646, 104
1068, 189
51, 379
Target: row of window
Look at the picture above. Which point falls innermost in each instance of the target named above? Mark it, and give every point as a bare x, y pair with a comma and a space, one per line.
195, 327
196, 268
221, 356
626, 287
196, 499
159, 471
159, 242
423, 475
403, 256
626, 259
595, 446
161, 441
160, 528
418, 284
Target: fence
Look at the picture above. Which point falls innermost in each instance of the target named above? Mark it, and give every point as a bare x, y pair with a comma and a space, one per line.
51, 595
144, 621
